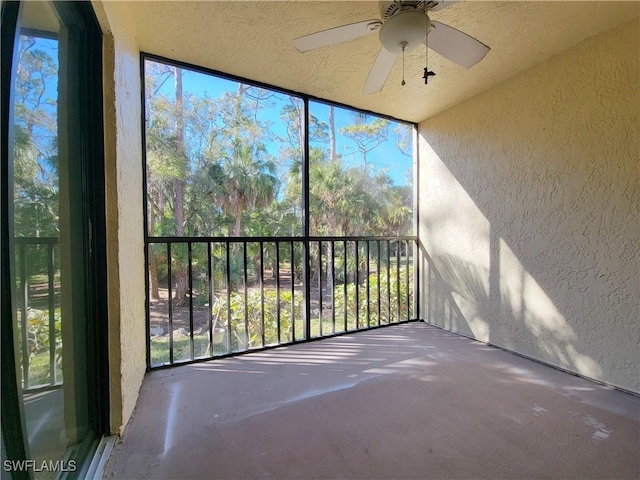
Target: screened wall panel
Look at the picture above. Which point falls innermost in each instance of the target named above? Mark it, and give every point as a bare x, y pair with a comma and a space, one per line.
271, 218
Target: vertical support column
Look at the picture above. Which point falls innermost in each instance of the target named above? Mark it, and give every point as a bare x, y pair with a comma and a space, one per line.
305, 225
146, 225
346, 296
190, 278
416, 226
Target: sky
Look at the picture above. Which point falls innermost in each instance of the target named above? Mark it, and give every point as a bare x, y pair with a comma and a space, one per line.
44, 138
386, 156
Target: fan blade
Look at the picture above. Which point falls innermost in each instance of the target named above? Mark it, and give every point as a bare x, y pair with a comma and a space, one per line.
442, 5
455, 45
379, 71
335, 35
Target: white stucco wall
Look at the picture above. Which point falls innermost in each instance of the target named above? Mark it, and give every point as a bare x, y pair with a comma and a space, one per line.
125, 229
529, 201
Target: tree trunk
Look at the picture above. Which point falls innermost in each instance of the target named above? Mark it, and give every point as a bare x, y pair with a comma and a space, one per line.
332, 135
179, 182
329, 281
153, 269
237, 228
301, 133
182, 286
180, 272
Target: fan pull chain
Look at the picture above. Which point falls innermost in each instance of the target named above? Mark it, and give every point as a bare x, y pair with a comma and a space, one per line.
427, 73
404, 47
426, 41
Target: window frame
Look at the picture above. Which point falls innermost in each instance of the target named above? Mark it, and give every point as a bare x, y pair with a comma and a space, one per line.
83, 39
306, 237
306, 99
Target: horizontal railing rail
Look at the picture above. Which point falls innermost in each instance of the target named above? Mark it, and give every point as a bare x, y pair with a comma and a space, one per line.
38, 298
214, 239
211, 297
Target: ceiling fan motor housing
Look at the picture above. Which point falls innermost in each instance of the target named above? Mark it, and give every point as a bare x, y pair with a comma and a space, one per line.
403, 25
404, 30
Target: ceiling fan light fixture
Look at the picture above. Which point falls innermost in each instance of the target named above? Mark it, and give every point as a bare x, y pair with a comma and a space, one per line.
405, 29
403, 25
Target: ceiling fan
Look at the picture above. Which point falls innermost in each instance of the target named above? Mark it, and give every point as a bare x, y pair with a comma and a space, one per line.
404, 25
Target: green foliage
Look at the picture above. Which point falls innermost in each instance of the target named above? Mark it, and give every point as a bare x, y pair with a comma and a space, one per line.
232, 165
181, 348
261, 309
246, 318
391, 292
38, 344
366, 134
235, 173
38, 328
209, 157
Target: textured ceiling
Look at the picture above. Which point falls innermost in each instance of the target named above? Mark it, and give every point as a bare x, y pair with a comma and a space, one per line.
255, 40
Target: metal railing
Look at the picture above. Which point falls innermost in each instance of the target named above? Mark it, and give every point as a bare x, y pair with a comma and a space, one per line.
38, 307
210, 297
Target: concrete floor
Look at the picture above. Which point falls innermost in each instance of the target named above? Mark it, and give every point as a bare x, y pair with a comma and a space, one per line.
407, 401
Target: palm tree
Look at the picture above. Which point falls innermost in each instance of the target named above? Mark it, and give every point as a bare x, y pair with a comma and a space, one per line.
398, 213
250, 181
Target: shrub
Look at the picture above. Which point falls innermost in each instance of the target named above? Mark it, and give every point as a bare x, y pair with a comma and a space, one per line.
258, 307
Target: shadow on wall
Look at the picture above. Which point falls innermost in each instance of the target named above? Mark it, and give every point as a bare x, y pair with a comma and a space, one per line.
529, 200
568, 303
457, 299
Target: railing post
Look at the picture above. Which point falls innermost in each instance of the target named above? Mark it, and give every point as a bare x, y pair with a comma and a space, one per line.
262, 292
416, 280
170, 301
333, 287
210, 285
277, 244
24, 312
52, 316
357, 282
346, 296
378, 270
389, 281
190, 279
228, 282
320, 287
398, 253
293, 295
245, 280
407, 278
368, 286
